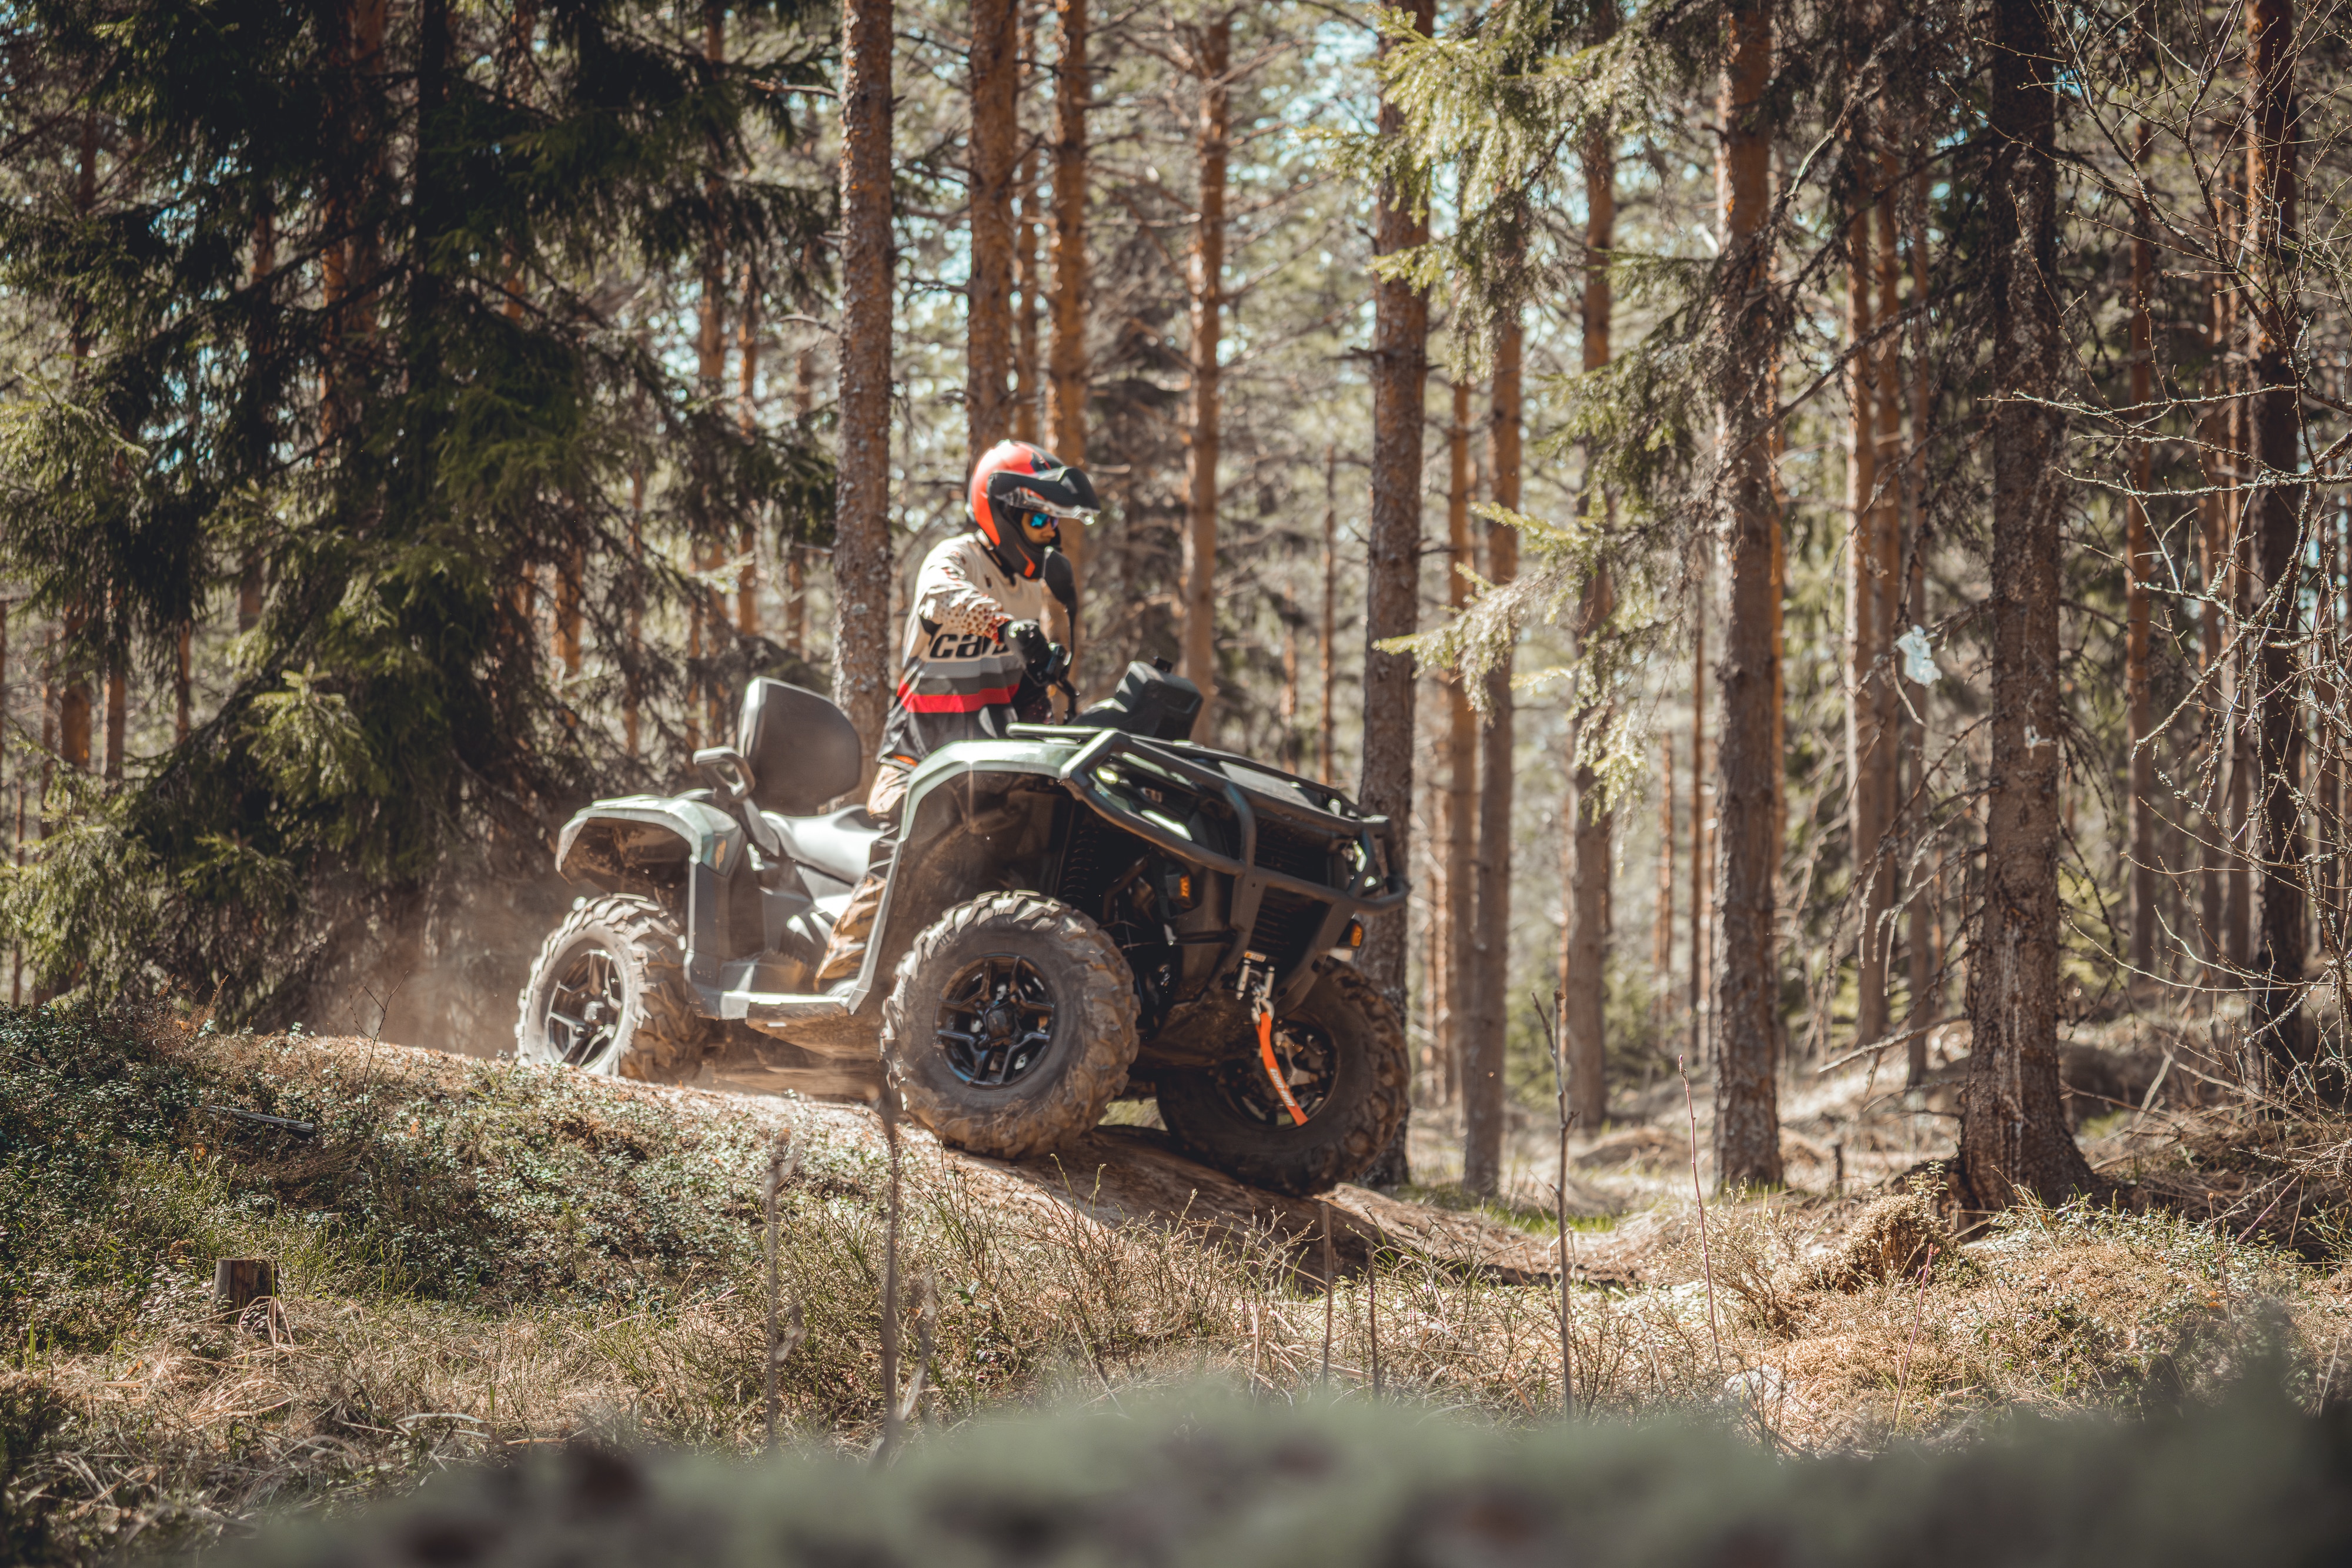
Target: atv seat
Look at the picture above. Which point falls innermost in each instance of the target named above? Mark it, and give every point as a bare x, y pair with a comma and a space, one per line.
833, 846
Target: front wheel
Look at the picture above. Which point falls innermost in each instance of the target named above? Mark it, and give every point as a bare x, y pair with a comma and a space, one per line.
608, 995
1011, 1025
1341, 1053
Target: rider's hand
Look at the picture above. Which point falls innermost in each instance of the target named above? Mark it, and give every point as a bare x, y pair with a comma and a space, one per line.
1028, 639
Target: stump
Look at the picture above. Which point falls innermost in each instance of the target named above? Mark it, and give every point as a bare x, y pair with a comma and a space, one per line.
238, 1282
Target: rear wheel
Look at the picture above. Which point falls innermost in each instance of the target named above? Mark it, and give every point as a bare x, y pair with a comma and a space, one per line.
1011, 1025
608, 995
1342, 1056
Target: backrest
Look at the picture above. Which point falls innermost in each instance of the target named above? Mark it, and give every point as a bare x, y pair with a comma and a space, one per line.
804, 751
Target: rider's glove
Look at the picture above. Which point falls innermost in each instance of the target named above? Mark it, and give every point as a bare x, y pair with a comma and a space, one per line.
1028, 639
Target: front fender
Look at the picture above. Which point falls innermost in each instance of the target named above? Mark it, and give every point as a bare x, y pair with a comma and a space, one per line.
683, 847
942, 799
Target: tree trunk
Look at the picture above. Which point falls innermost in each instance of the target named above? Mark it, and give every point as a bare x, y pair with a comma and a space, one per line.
1747, 1023
1662, 939
2013, 1133
995, 129
1025, 390
118, 700
1327, 742
1925, 960
1698, 975
2214, 576
2140, 563
1887, 381
182, 679
1482, 1073
1868, 747
747, 391
710, 373
1585, 824
1065, 421
631, 741
2275, 413
1461, 765
74, 707
1399, 370
862, 643
1212, 58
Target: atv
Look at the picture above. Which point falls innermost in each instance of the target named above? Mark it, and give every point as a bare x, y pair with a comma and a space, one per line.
1081, 912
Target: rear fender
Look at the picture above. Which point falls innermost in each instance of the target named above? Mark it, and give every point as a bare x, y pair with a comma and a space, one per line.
682, 848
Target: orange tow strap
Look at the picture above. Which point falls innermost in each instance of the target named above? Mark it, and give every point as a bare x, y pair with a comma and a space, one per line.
1273, 1069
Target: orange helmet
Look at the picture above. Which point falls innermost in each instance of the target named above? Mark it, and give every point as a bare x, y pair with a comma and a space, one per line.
1020, 497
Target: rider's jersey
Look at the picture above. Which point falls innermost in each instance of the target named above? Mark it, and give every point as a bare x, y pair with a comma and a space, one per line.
956, 677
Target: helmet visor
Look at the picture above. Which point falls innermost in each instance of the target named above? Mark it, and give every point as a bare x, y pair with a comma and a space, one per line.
1042, 500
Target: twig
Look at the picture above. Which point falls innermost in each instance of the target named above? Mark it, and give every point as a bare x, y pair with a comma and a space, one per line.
1330, 1289
1706, 1258
1918, 1311
782, 1161
1373, 1310
1875, 1046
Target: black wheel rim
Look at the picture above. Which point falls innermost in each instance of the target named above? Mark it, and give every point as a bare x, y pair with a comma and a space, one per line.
996, 1020
585, 1006
1310, 1067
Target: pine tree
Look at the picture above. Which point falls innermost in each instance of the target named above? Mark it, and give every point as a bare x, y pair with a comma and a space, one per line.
435, 401
2013, 1131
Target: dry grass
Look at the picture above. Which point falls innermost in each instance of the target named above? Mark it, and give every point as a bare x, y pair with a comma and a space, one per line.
480, 1259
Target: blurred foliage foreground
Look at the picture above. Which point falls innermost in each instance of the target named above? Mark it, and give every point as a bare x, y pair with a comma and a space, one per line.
487, 1262
1237, 1487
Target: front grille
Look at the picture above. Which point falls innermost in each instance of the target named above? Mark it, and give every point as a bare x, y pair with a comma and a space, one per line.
1284, 849
1286, 926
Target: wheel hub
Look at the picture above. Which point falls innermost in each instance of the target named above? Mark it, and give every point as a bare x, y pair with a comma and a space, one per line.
995, 1020
1310, 1067
585, 1006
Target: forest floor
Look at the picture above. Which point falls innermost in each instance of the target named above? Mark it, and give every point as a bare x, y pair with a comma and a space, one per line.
476, 1257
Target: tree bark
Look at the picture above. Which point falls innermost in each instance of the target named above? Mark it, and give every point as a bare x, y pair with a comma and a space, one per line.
1211, 58
1585, 825
1399, 370
2275, 413
862, 643
2013, 1133
1066, 413
1461, 765
1747, 1023
995, 129
1482, 1075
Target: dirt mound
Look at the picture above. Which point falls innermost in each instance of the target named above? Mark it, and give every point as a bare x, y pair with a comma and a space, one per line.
1112, 1176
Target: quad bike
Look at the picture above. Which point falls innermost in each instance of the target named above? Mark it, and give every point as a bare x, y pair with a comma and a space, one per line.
1082, 912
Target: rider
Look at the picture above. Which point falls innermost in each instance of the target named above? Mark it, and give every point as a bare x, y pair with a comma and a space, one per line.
980, 645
